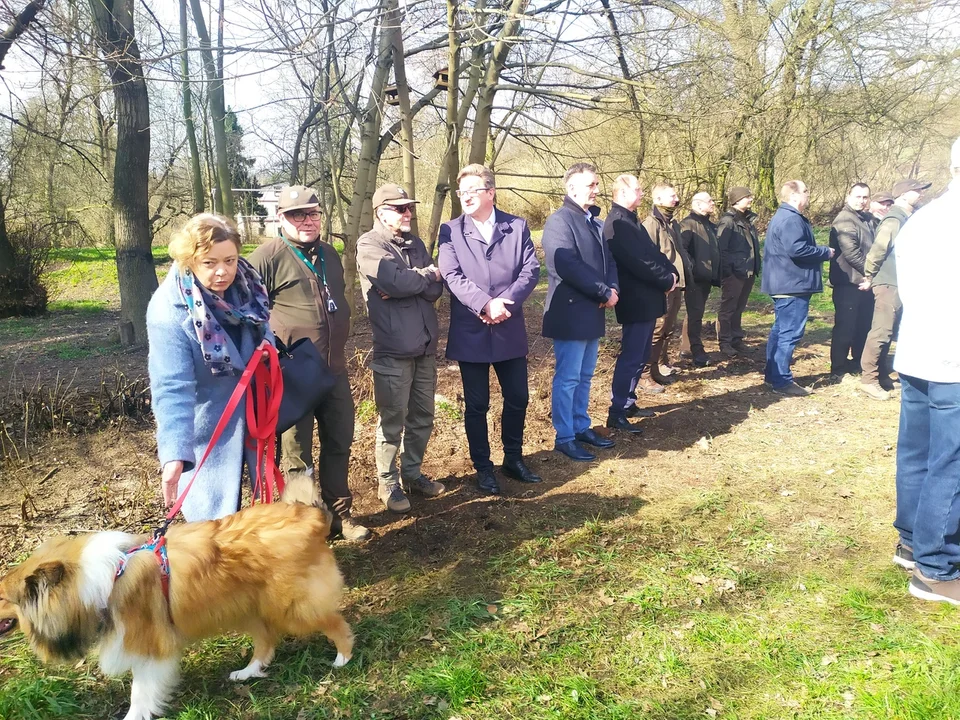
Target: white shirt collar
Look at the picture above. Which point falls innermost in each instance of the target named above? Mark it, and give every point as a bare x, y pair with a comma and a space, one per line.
486, 227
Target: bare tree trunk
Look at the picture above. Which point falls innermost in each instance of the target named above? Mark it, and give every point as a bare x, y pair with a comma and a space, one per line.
361, 212
199, 202
217, 111
498, 57
114, 28
406, 117
19, 25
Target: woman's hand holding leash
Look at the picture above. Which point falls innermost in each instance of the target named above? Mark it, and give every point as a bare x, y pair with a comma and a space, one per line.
171, 479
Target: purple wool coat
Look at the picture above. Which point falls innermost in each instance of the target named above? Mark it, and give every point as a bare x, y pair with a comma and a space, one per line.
475, 273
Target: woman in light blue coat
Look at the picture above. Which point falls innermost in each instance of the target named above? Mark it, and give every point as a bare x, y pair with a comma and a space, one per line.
204, 323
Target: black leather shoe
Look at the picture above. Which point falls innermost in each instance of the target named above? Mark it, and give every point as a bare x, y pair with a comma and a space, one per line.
637, 411
574, 451
589, 437
621, 423
487, 482
702, 360
518, 470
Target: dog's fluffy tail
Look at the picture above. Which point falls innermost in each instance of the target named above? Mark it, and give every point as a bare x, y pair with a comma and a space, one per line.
300, 488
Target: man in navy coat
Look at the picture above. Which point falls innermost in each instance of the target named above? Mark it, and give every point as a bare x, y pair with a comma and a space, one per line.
646, 276
488, 262
792, 273
582, 279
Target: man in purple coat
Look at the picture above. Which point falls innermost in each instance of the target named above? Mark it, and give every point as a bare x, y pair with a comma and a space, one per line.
488, 262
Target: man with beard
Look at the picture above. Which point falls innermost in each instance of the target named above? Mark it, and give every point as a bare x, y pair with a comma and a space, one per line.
850, 237
664, 230
304, 279
740, 250
400, 286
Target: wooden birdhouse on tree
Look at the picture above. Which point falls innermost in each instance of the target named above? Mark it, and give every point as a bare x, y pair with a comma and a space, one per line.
391, 96
441, 79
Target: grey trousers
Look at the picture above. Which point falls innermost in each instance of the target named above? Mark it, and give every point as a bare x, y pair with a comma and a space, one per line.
887, 311
403, 389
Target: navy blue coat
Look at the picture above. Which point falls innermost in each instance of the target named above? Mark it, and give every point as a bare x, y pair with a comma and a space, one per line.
791, 256
644, 272
475, 273
581, 272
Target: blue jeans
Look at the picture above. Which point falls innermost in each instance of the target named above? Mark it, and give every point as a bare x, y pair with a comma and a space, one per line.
634, 353
576, 360
790, 321
928, 475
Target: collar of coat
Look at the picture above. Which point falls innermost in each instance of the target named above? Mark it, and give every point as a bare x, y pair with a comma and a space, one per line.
620, 209
659, 217
402, 241
500, 222
569, 202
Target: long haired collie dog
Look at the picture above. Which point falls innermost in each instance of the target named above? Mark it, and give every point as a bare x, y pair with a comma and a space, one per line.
264, 572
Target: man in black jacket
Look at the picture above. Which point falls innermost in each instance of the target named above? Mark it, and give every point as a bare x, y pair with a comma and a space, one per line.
851, 238
740, 266
645, 276
698, 235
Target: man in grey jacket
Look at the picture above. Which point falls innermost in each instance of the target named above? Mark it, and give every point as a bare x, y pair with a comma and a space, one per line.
400, 286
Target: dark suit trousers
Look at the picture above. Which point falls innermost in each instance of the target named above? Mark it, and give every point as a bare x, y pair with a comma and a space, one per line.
634, 352
887, 310
334, 417
661, 335
512, 375
695, 298
733, 301
853, 314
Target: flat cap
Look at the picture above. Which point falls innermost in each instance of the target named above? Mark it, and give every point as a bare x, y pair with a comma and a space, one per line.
883, 197
391, 194
908, 185
297, 197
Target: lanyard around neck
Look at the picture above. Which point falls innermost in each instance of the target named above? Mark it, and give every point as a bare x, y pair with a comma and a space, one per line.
323, 265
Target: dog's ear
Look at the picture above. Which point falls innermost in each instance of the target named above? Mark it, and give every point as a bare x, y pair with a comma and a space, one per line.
42, 580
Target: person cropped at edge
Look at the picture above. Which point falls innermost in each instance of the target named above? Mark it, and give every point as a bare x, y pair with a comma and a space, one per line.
400, 286
928, 362
740, 253
304, 278
664, 231
489, 264
851, 236
581, 284
792, 260
698, 236
204, 323
880, 278
645, 276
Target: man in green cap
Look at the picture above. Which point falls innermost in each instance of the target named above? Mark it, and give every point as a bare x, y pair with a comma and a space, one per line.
304, 279
400, 286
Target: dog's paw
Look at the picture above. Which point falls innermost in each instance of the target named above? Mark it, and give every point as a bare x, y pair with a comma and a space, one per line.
254, 670
341, 660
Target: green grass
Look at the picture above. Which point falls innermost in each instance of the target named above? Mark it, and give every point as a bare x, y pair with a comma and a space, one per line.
663, 613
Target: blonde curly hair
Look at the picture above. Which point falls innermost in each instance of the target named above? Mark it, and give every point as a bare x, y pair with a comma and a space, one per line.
198, 236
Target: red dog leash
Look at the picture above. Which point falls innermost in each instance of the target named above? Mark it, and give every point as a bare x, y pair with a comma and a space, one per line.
263, 379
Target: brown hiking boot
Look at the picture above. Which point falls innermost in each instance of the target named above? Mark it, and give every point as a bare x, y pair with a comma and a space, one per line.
424, 486
649, 385
935, 590
349, 529
875, 391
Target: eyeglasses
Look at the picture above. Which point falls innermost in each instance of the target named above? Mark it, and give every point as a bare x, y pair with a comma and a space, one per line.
299, 215
399, 209
471, 193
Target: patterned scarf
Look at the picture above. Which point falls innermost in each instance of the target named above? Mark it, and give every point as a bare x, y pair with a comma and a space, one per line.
247, 305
